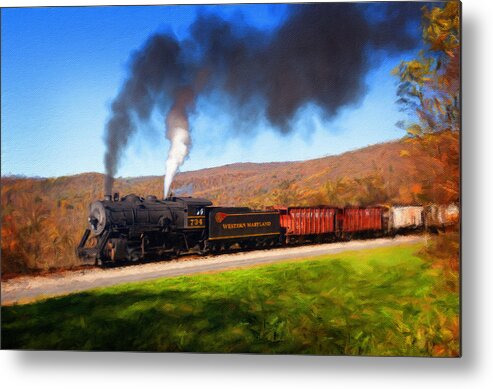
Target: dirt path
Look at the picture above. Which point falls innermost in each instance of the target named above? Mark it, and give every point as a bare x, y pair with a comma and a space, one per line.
26, 289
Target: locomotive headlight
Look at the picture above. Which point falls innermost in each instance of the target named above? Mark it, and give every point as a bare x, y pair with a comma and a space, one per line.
93, 222
97, 217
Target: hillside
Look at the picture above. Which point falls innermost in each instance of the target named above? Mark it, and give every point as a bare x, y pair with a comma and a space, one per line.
43, 219
395, 172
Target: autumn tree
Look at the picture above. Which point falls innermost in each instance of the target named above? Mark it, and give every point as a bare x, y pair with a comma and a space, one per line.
429, 90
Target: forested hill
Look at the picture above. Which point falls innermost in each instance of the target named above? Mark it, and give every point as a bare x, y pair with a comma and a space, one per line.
395, 172
49, 215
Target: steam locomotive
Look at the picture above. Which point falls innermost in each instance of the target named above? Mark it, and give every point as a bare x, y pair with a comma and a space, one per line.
133, 228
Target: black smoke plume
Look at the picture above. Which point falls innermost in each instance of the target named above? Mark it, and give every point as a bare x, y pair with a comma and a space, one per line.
155, 71
319, 55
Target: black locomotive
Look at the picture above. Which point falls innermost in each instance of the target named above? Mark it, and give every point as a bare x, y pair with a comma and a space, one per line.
133, 228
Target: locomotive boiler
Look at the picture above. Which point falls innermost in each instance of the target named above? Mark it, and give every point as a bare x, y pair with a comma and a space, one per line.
133, 228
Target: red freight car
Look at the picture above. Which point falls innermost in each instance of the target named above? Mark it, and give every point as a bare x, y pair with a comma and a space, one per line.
308, 223
354, 220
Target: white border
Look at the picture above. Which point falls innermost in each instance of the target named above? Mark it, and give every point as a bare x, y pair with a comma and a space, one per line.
134, 370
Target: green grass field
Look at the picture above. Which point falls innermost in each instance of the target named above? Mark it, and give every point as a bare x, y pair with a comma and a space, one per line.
386, 301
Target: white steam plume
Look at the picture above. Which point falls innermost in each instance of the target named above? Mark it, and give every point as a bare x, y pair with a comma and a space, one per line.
177, 132
178, 151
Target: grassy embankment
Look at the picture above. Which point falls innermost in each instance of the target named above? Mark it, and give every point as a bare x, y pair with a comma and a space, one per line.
387, 301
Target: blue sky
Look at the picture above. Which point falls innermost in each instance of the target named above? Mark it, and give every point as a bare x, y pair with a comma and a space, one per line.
61, 68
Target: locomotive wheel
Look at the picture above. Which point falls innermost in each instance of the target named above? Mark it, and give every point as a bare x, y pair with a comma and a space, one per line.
346, 236
203, 249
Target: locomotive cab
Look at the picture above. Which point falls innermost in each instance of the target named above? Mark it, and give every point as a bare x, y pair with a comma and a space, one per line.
194, 212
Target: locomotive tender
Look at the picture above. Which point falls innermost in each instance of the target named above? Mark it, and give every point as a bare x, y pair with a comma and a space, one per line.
133, 228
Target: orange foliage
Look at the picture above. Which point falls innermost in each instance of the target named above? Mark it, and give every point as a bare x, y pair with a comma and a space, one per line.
43, 219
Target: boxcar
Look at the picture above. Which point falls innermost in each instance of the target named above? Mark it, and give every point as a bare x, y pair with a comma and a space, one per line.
309, 223
406, 218
361, 221
441, 216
